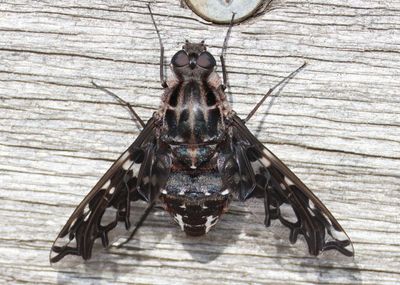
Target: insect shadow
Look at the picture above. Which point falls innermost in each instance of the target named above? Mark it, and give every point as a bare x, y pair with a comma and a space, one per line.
156, 239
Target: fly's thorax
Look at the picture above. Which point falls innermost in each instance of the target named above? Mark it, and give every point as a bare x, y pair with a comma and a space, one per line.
195, 202
193, 122
193, 156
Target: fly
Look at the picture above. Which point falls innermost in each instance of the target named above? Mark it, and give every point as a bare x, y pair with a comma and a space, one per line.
195, 156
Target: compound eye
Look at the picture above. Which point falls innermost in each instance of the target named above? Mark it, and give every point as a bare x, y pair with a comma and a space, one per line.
180, 59
206, 60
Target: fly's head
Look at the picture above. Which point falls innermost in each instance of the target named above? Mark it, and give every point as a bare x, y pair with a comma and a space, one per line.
193, 61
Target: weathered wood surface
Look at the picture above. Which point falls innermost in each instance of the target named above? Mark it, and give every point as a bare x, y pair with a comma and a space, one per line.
337, 125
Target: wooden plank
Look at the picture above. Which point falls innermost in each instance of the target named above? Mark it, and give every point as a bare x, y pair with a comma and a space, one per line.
336, 124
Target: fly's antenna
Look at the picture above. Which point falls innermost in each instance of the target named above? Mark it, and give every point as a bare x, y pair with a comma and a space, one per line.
224, 47
162, 79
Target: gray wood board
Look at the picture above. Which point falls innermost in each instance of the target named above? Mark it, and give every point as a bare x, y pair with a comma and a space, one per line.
336, 124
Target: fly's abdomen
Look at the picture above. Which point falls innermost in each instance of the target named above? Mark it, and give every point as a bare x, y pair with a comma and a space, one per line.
195, 202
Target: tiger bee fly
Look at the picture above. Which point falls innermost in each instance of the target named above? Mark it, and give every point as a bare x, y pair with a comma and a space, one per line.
194, 156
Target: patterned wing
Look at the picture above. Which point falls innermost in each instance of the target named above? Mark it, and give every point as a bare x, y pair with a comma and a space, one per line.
108, 202
263, 177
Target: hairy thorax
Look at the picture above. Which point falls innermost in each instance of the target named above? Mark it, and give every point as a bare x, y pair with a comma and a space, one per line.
193, 124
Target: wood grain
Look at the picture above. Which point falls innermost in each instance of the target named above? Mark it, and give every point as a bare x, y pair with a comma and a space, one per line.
336, 124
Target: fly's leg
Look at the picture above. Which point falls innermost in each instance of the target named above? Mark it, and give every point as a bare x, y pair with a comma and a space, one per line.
123, 102
267, 201
128, 199
284, 80
139, 224
162, 78
224, 47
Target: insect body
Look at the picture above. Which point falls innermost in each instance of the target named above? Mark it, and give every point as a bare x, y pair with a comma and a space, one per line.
194, 130
195, 155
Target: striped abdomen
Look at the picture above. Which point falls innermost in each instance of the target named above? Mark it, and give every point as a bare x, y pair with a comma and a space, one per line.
195, 202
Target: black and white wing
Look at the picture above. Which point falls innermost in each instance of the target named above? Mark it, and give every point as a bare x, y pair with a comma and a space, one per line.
283, 196
109, 201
